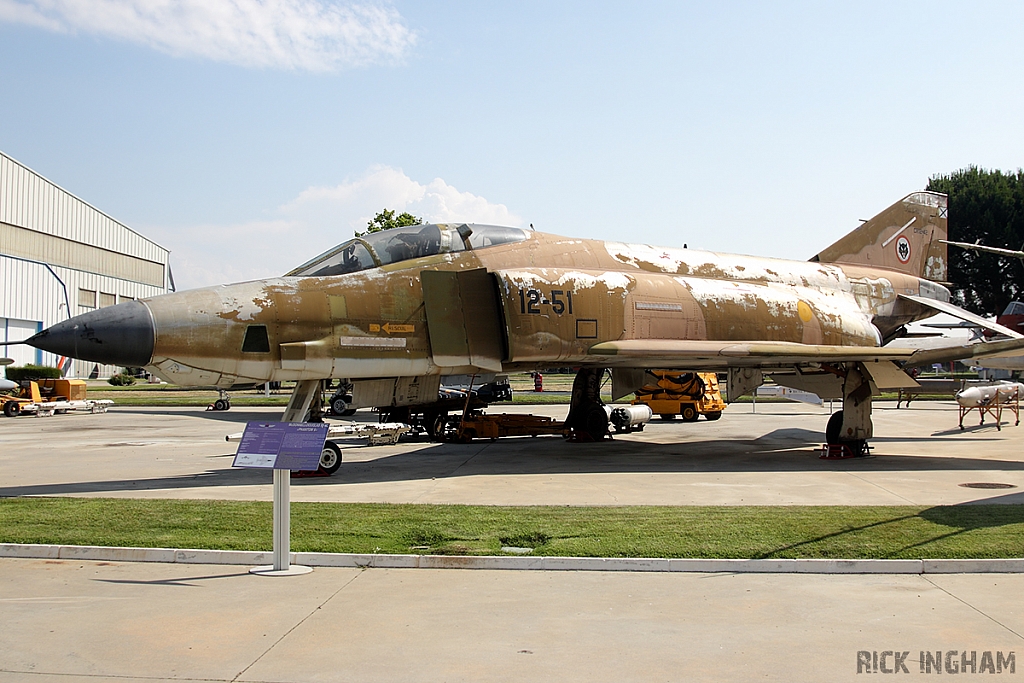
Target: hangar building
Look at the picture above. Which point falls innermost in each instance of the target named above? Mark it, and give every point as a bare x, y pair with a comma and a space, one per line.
60, 257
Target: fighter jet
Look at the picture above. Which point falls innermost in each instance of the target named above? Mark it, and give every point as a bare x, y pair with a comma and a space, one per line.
391, 312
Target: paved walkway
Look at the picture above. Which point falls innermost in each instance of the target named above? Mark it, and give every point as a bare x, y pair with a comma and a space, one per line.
64, 621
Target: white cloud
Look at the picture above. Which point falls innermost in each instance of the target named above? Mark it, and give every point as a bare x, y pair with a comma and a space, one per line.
208, 254
316, 220
316, 35
386, 187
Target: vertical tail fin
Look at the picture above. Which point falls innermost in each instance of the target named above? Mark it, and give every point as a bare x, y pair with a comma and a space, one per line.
905, 237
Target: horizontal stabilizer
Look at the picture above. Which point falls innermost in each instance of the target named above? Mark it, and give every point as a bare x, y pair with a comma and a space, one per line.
995, 349
957, 312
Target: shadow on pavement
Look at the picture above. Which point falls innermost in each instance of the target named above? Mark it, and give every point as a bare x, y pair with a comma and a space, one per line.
783, 450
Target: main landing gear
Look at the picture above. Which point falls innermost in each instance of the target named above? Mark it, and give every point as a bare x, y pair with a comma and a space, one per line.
848, 430
587, 419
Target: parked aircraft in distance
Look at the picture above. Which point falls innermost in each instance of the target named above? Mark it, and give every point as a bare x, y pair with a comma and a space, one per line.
391, 312
1012, 316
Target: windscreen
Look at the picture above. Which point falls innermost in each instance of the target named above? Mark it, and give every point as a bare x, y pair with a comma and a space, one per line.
403, 244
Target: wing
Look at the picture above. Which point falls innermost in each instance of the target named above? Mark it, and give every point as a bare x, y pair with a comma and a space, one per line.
718, 355
698, 355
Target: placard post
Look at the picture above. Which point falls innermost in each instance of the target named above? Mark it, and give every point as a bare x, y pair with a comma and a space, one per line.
282, 520
281, 446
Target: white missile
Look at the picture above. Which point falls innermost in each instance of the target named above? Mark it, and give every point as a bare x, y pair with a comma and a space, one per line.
990, 394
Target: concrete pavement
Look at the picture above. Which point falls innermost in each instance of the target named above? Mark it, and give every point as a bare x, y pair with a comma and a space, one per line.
77, 620
767, 457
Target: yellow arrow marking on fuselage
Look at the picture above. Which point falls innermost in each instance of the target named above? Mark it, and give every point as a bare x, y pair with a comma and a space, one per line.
392, 328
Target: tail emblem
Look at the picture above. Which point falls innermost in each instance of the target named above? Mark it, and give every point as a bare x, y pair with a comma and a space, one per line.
903, 250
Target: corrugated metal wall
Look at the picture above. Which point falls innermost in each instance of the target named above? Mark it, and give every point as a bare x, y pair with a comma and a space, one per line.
33, 292
58, 251
131, 267
31, 201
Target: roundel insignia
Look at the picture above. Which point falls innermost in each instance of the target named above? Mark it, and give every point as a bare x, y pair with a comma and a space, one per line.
903, 249
804, 311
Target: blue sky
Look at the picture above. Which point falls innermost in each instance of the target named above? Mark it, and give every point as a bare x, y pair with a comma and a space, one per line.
249, 135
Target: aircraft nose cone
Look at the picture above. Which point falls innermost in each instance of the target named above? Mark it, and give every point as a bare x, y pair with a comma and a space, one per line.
116, 335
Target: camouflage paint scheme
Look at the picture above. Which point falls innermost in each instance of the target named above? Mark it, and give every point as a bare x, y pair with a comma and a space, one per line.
546, 300
341, 326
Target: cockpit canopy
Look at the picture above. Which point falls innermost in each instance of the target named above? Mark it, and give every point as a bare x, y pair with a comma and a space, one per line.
402, 244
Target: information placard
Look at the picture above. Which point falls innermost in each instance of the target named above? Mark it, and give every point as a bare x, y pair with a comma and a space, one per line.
281, 445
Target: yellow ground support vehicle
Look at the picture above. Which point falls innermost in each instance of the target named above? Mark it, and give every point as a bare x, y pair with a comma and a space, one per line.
688, 394
51, 396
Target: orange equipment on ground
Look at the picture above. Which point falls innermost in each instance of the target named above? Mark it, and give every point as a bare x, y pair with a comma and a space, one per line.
51, 396
689, 394
476, 425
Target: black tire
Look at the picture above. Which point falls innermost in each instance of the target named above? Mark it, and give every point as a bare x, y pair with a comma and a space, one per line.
221, 404
667, 417
349, 412
434, 423
689, 413
713, 416
12, 408
834, 428
330, 457
338, 406
596, 423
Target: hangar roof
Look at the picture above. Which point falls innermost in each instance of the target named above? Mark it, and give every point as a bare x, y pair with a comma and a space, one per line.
32, 202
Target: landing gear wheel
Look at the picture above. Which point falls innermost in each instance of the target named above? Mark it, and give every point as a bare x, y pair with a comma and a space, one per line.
221, 404
597, 422
667, 417
713, 416
857, 448
435, 423
587, 419
689, 413
330, 457
339, 407
11, 409
834, 428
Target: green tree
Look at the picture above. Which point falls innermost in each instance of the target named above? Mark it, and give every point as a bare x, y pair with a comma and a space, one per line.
386, 219
985, 206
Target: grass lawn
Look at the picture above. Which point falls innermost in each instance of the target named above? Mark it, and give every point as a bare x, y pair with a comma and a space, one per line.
966, 531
